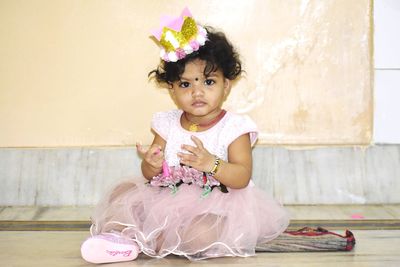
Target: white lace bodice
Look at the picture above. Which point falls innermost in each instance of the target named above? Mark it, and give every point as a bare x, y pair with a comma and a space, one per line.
216, 139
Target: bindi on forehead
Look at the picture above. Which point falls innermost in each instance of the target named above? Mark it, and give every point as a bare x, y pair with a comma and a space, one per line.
188, 78
214, 75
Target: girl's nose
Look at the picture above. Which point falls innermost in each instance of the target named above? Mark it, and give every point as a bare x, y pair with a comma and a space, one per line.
197, 89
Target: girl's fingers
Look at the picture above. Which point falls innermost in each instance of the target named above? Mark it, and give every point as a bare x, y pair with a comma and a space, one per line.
198, 142
190, 149
191, 160
140, 149
194, 149
153, 152
187, 157
157, 151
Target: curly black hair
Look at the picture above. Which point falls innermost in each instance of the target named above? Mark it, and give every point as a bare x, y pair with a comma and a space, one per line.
217, 52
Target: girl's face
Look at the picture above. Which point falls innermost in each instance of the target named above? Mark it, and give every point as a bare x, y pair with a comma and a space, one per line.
198, 95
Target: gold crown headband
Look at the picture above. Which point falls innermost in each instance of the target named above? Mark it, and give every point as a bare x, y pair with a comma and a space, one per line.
179, 37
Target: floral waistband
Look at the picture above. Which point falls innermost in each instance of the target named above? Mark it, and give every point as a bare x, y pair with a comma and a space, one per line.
183, 174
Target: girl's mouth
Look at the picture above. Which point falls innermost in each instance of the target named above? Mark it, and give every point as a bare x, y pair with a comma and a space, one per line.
198, 103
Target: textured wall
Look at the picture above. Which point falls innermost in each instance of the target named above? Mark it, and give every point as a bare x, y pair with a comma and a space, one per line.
74, 73
310, 81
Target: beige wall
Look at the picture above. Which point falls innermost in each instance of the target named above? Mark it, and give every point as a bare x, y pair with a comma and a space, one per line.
74, 73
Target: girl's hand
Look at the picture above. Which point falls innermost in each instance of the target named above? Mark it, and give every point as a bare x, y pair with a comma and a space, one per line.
153, 156
199, 158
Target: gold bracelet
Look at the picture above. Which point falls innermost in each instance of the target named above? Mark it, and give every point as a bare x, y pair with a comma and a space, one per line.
216, 166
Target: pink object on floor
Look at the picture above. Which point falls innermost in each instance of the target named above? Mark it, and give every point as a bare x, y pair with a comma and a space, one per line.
357, 216
105, 248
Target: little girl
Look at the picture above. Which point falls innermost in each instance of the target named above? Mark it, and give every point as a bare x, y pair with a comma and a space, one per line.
199, 200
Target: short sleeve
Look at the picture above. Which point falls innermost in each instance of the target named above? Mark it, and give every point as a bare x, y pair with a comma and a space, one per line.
161, 123
240, 125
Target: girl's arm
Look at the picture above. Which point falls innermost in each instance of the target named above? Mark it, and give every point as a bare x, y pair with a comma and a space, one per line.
153, 157
235, 173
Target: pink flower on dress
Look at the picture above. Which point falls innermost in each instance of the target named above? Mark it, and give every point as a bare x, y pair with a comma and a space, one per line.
161, 180
213, 182
186, 175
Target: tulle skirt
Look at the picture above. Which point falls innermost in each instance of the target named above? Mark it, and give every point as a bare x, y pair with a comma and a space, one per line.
188, 223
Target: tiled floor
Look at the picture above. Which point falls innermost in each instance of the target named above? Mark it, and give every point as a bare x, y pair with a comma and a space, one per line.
373, 248
61, 248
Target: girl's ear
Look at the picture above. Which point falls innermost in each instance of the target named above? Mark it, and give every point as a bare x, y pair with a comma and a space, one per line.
171, 91
227, 87
171, 88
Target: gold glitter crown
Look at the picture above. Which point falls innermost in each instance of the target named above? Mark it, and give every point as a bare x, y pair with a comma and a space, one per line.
179, 37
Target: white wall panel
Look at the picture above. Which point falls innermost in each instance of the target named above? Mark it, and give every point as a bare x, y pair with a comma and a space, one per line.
387, 34
387, 72
387, 107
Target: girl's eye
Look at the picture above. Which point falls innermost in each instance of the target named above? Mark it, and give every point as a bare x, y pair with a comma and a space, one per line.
209, 82
184, 84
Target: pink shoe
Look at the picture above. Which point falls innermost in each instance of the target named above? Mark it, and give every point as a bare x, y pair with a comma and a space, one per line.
105, 248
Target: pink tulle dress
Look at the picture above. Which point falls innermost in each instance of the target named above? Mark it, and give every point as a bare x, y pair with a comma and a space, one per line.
190, 214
